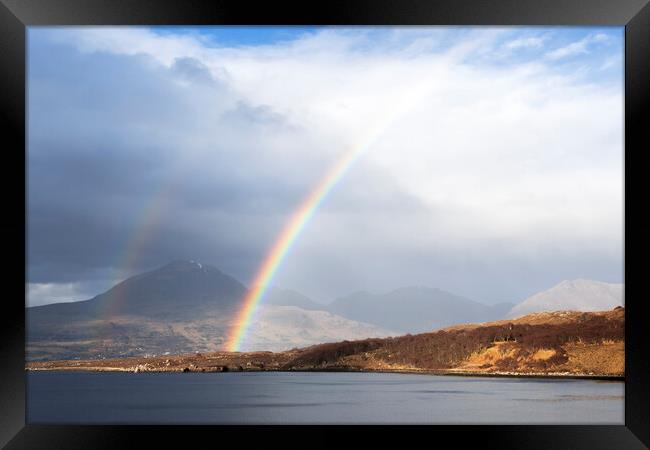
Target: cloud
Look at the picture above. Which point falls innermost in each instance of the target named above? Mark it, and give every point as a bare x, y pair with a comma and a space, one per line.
614, 61
38, 294
192, 70
255, 115
578, 47
535, 42
145, 148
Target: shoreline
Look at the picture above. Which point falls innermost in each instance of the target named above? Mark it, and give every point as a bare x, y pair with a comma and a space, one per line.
554, 375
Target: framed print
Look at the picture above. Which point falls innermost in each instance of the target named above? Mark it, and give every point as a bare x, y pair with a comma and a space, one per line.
351, 214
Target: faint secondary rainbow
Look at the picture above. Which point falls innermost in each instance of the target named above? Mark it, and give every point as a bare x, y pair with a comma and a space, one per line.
299, 219
143, 232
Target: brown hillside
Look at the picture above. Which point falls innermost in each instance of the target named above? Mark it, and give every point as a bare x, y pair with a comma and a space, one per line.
564, 341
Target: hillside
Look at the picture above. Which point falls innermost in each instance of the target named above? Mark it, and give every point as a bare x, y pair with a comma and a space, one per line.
279, 328
578, 295
561, 343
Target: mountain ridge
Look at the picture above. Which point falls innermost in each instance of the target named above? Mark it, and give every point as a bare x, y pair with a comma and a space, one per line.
415, 308
580, 294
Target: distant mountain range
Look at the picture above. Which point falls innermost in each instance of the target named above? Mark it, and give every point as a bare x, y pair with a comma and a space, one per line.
577, 295
415, 309
187, 306
287, 297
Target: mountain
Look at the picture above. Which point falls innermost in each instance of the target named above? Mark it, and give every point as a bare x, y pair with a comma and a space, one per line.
577, 295
184, 306
415, 309
175, 288
287, 297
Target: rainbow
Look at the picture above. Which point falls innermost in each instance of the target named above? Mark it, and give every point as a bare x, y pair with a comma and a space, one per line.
138, 241
299, 220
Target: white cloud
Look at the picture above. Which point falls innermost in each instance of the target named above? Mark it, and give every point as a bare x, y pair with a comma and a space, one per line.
578, 47
43, 293
612, 61
535, 42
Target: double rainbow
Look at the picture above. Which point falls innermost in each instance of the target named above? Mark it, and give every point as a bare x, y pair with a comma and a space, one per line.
301, 217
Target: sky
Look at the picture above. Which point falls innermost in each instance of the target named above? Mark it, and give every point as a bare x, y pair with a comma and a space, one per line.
502, 178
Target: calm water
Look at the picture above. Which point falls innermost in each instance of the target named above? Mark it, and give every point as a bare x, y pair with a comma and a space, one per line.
348, 398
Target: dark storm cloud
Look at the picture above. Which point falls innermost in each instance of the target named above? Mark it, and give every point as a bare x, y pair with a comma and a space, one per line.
108, 139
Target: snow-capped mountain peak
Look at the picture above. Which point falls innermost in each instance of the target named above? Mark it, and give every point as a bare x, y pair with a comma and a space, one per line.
577, 295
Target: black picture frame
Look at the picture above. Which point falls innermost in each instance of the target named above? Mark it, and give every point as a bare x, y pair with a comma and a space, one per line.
16, 15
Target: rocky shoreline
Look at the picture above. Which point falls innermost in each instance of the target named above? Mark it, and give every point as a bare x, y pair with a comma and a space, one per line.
144, 369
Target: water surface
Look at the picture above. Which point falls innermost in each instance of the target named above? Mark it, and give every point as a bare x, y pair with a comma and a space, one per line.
316, 398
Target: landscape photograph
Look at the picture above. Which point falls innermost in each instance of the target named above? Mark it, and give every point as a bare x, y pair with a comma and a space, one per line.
325, 225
